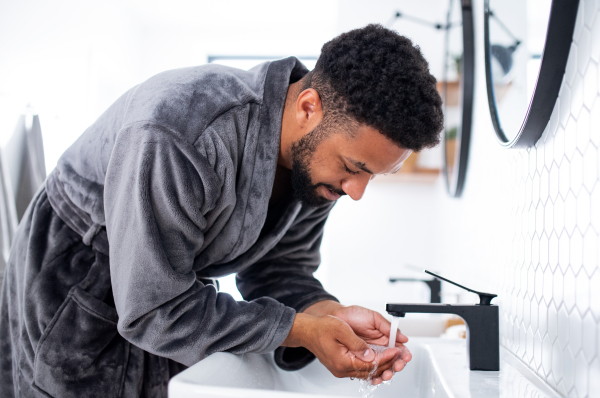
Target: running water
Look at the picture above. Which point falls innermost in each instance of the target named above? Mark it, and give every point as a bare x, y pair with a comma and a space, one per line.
394, 331
366, 388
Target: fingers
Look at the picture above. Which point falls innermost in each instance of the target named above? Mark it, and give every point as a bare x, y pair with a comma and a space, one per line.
357, 374
347, 355
383, 358
399, 365
365, 374
388, 362
400, 338
357, 346
387, 375
405, 354
383, 361
382, 324
384, 373
381, 374
361, 350
385, 327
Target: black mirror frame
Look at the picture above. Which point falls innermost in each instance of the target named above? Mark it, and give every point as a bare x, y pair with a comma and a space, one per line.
559, 37
455, 185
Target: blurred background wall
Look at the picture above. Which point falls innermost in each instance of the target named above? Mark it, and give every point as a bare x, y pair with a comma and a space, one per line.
527, 226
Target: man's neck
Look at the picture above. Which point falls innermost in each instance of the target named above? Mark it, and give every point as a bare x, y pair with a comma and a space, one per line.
282, 185
288, 127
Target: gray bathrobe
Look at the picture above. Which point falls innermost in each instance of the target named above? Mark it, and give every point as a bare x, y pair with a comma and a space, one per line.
103, 294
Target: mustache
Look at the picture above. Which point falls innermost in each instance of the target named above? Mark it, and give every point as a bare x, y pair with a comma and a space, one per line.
334, 189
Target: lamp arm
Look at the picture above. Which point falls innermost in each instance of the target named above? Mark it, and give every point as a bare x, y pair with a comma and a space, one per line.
418, 20
505, 29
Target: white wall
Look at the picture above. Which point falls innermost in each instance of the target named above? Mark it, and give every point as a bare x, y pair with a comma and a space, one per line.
354, 14
70, 59
527, 226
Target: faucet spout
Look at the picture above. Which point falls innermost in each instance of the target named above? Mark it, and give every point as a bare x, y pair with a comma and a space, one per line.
483, 332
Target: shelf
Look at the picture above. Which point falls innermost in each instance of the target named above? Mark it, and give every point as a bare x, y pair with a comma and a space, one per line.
424, 176
453, 92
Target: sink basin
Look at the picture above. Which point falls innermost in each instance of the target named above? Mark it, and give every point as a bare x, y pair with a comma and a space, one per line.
439, 369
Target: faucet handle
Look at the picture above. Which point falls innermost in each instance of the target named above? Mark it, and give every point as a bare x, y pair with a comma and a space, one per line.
484, 298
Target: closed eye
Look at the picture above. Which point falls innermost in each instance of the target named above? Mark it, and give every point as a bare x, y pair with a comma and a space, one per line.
350, 171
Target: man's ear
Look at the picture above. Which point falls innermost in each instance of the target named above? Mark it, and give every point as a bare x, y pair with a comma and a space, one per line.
309, 111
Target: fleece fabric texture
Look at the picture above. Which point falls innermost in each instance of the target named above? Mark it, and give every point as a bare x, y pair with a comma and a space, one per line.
103, 293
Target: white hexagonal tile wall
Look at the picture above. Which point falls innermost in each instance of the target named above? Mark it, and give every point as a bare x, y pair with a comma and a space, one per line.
570, 212
564, 178
590, 15
576, 96
553, 247
553, 182
546, 356
564, 246
576, 251
565, 92
551, 287
595, 41
589, 337
590, 86
590, 251
595, 119
581, 375
580, 19
583, 209
557, 361
595, 295
595, 210
571, 137
590, 167
569, 290
563, 327
594, 370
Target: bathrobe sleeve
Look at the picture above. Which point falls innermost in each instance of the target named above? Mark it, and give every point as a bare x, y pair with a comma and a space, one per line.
286, 272
158, 192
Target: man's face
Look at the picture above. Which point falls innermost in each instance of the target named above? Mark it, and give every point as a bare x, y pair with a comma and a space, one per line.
324, 169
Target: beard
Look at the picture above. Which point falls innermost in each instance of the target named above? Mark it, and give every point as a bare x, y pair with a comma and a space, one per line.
302, 152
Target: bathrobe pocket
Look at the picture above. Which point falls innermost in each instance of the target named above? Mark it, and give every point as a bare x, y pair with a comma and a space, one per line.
81, 353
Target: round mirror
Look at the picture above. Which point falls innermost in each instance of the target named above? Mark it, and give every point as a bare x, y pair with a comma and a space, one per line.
457, 93
527, 45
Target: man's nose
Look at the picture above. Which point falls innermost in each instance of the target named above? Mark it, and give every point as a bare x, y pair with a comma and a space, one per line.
355, 186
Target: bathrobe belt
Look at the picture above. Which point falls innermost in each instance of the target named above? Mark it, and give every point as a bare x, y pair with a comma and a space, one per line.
92, 234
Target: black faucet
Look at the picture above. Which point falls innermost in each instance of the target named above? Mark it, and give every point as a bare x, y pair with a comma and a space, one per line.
482, 321
435, 287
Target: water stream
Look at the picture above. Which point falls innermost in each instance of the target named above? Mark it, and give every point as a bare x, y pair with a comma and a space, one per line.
367, 389
394, 331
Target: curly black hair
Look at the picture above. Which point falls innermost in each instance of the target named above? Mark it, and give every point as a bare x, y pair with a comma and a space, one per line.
379, 78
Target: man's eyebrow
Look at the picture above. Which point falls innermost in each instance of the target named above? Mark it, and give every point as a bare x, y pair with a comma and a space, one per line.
360, 165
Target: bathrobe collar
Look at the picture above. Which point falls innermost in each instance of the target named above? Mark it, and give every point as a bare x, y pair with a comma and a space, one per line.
263, 156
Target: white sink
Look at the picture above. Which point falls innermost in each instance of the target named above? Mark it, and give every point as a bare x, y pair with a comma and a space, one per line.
439, 369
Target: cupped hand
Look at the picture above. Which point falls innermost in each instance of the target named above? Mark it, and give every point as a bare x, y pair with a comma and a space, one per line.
337, 347
373, 328
369, 325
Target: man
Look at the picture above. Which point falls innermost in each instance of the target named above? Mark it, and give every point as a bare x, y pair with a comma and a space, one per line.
195, 174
